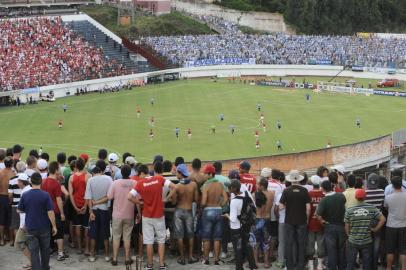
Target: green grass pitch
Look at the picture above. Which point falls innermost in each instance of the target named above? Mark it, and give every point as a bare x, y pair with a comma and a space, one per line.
109, 120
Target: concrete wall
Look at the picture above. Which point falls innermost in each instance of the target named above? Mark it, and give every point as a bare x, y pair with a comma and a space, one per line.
353, 157
263, 21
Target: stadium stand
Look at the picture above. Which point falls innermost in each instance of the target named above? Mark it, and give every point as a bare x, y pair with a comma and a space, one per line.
233, 46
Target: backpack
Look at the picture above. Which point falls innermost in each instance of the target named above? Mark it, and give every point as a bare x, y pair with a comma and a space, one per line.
248, 211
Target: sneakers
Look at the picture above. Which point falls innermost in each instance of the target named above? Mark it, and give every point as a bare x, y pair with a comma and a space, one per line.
62, 256
164, 267
92, 259
223, 255
320, 265
107, 259
149, 267
219, 262
205, 262
310, 264
279, 265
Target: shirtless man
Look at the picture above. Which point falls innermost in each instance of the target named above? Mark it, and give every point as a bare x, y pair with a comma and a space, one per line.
5, 207
264, 201
214, 197
183, 196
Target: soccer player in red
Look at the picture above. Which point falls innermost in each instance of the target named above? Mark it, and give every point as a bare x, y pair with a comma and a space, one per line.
138, 111
151, 134
257, 145
256, 134
264, 127
246, 179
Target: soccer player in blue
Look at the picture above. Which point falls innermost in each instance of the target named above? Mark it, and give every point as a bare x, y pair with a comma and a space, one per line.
222, 117
177, 132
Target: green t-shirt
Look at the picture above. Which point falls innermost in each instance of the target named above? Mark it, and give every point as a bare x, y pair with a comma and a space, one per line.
332, 208
359, 218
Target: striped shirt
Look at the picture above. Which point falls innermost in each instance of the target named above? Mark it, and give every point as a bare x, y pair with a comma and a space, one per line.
359, 219
375, 197
15, 190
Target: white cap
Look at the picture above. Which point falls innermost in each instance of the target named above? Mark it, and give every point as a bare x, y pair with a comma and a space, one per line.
113, 157
339, 168
130, 160
23, 177
316, 180
266, 172
42, 164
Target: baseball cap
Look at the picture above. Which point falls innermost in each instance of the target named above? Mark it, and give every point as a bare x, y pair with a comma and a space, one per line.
316, 180
130, 160
209, 169
182, 168
17, 149
360, 194
245, 165
42, 164
266, 172
113, 157
23, 177
372, 181
85, 157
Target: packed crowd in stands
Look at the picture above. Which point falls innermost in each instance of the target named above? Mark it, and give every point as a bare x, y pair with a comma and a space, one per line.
291, 221
43, 51
279, 48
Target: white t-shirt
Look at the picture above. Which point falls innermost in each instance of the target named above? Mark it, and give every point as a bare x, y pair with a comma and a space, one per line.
277, 188
282, 213
44, 175
235, 211
22, 215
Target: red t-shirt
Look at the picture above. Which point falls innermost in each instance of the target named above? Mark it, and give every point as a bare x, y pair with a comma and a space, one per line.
150, 190
249, 181
53, 187
315, 197
79, 189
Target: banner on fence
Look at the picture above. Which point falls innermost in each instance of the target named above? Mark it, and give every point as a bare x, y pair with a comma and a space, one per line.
225, 61
358, 68
389, 93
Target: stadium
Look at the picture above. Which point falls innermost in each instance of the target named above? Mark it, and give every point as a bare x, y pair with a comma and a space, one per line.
181, 81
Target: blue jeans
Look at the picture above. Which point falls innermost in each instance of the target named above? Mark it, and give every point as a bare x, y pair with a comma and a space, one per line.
242, 249
296, 236
366, 252
334, 237
212, 224
38, 244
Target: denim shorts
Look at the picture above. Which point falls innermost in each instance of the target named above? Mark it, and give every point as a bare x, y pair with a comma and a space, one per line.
183, 223
212, 224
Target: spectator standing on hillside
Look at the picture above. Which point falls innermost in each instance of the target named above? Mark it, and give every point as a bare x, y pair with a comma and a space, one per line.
21, 236
330, 212
149, 190
316, 234
99, 214
396, 225
123, 213
349, 193
77, 190
214, 197
389, 188
183, 195
38, 208
264, 200
296, 200
359, 225
274, 184
5, 208
52, 186
238, 235
246, 178
375, 196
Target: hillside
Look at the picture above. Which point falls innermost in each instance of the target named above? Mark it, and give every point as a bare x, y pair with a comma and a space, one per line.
147, 25
332, 16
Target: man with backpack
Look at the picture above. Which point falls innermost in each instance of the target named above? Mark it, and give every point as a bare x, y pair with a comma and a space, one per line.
242, 217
